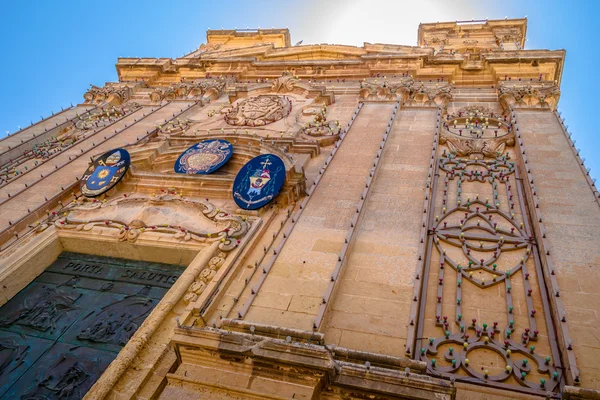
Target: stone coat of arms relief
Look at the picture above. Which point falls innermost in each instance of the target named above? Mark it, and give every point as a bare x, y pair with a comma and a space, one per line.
258, 111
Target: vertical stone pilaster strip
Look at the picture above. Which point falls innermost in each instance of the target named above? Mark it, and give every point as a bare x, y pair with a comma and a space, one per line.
558, 310
418, 303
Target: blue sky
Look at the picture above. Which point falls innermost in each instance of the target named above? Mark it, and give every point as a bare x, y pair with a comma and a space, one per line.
52, 51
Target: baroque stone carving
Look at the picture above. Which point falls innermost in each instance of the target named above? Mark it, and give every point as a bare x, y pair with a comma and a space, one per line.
476, 132
115, 95
528, 95
106, 116
174, 127
259, 111
286, 83
212, 89
205, 276
319, 126
411, 92
138, 215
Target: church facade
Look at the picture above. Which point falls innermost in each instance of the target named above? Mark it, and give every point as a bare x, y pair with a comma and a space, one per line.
262, 220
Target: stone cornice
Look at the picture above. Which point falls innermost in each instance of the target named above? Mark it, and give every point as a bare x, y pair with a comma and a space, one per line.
334, 367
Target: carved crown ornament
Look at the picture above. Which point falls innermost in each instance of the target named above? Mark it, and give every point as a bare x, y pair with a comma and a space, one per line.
210, 89
528, 94
138, 215
476, 132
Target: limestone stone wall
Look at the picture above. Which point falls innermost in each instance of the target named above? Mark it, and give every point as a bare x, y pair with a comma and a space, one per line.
571, 216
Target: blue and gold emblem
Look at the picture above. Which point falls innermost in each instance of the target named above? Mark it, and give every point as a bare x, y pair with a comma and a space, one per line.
106, 171
204, 157
259, 181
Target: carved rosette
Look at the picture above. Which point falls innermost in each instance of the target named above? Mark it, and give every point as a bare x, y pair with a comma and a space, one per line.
528, 95
139, 215
210, 89
476, 132
105, 116
258, 111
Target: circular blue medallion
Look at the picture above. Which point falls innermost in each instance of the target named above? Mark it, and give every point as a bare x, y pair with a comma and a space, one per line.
259, 181
204, 157
106, 171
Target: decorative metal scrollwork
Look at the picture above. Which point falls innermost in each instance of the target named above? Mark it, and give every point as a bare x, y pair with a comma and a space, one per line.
483, 252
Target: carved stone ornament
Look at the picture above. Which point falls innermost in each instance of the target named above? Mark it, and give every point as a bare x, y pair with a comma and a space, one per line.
286, 83
259, 111
112, 94
174, 127
319, 126
476, 132
212, 88
205, 276
528, 95
105, 116
139, 215
411, 92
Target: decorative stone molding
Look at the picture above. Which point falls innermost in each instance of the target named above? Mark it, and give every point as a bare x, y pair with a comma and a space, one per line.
476, 132
410, 92
174, 127
287, 83
112, 94
103, 117
528, 95
386, 91
284, 84
323, 369
210, 89
205, 276
168, 213
259, 111
319, 127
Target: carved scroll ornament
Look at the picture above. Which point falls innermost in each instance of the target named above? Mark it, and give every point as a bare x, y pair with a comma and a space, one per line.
168, 214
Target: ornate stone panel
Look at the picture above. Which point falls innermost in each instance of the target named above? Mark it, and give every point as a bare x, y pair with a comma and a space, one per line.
259, 111
59, 333
484, 312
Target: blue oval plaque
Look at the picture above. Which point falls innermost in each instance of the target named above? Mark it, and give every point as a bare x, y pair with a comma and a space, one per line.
204, 157
259, 181
106, 171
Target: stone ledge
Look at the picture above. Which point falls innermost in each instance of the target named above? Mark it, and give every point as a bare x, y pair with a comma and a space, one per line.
275, 362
